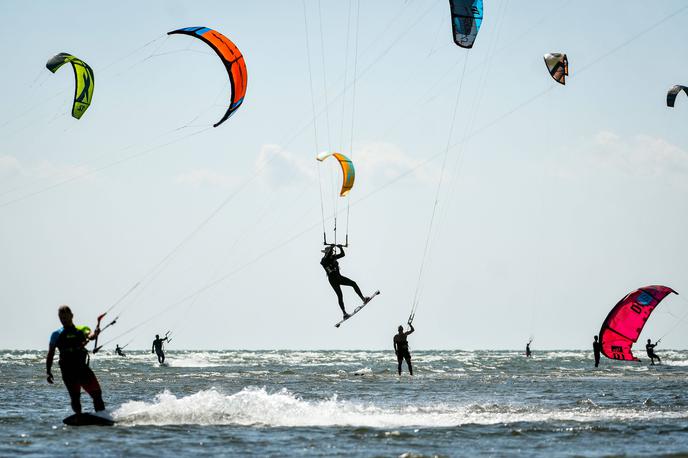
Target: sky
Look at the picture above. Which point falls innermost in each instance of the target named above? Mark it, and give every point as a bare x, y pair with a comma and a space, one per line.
553, 202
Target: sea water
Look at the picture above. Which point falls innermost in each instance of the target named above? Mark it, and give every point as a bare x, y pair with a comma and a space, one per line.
352, 403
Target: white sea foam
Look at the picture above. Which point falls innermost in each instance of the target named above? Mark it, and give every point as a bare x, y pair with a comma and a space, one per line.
363, 371
256, 406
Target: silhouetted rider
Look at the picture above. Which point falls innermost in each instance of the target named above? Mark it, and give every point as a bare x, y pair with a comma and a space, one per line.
157, 348
650, 348
596, 347
331, 266
401, 348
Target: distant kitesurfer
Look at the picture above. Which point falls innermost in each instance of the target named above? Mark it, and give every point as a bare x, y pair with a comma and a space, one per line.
71, 340
119, 351
650, 348
401, 348
157, 348
596, 347
528, 352
331, 266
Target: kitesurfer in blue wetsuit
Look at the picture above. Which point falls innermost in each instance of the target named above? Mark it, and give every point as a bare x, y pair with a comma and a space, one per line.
650, 348
401, 348
71, 340
331, 266
157, 348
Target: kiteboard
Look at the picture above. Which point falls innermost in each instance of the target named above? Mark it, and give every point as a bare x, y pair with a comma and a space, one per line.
88, 419
358, 309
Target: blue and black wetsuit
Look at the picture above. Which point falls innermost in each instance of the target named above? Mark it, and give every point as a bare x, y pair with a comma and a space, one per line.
71, 342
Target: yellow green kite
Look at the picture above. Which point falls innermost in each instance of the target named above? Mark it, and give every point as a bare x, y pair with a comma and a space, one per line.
83, 92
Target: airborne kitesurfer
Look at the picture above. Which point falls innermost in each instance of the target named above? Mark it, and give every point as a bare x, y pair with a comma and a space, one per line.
71, 340
331, 266
401, 348
650, 348
157, 348
596, 347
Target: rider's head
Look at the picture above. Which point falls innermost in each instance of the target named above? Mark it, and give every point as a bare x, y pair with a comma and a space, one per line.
648, 340
595, 338
157, 336
65, 315
400, 328
328, 250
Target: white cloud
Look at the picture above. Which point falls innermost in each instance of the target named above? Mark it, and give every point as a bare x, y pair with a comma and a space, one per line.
390, 161
280, 168
379, 162
640, 155
206, 177
59, 172
9, 167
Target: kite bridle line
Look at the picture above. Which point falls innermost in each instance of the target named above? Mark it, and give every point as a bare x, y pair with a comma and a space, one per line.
677, 323
98, 329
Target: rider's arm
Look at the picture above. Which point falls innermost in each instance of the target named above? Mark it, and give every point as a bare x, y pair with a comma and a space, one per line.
395, 345
341, 252
91, 335
153, 347
49, 362
411, 331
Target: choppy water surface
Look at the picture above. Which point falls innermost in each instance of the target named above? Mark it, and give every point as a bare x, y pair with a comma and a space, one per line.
329, 403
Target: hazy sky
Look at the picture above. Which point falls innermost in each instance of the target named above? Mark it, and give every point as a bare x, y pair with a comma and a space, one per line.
555, 202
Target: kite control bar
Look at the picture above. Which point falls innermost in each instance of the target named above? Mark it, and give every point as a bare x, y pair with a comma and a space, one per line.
98, 330
346, 241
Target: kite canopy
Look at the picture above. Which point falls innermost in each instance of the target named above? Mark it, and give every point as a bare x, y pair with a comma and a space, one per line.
558, 66
673, 92
231, 57
467, 15
83, 74
347, 170
623, 325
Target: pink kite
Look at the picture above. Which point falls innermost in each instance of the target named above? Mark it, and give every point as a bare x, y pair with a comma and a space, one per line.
624, 323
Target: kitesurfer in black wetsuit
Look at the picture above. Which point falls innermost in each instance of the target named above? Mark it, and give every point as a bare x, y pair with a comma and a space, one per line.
401, 348
118, 350
331, 266
650, 348
71, 340
157, 348
596, 350
528, 352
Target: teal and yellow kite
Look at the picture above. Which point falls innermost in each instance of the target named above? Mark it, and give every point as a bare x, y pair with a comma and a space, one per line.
348, 172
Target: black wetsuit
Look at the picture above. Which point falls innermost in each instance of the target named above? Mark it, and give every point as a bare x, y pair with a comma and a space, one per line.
596, 346
119, 351
157, 347
650, 348
331, 266
401, 348
71, 341
528, 352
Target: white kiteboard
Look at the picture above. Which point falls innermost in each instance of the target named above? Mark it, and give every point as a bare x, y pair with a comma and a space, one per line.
358, 309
